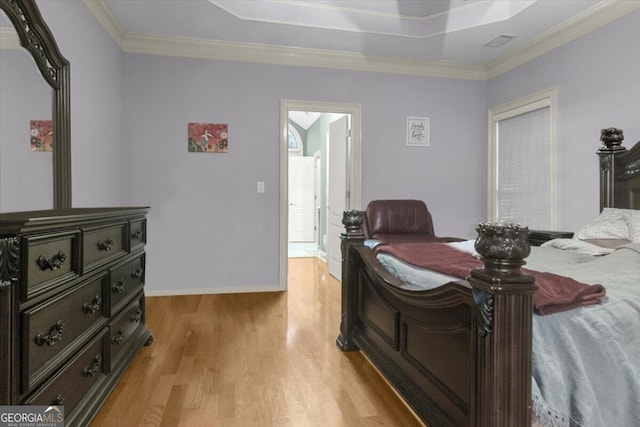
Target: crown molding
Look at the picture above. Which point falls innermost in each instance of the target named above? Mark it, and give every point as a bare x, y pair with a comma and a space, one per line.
105, 17
601, 14
269, 54
9, 39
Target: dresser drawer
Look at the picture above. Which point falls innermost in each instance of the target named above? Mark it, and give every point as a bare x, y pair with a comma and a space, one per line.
75, 379
124, 280
101, 244
59, 326
51, 259
124, 327
137, 234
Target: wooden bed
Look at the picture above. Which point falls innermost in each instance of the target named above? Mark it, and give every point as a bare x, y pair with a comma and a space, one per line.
461, 354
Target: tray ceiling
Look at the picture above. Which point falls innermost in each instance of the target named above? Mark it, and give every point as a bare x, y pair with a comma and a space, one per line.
453, 38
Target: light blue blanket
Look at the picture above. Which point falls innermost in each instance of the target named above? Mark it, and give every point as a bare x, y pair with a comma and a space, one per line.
586, 362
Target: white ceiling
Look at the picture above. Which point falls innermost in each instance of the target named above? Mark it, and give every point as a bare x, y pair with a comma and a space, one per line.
424, 37
304, 118
449, 30
440, 38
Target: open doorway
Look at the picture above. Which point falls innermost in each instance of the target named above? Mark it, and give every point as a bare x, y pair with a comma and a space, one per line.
318, 143
321, 216
307, 183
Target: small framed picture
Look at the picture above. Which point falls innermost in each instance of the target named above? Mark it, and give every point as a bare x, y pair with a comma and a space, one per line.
417, 131
41, 135
208, 137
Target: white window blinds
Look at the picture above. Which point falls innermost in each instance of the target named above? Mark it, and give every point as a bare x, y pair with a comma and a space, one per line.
523, 165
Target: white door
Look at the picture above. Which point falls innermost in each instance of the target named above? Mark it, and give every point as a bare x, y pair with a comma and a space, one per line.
301, 199
318, 188
338, 136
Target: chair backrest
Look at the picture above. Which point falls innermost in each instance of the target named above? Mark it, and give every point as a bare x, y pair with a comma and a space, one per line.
398, 217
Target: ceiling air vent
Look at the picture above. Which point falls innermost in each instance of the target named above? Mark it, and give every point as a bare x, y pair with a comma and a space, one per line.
500, 40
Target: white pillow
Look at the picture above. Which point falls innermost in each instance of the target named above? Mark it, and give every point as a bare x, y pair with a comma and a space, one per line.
612, 223
579, 246
633, 222
632, 217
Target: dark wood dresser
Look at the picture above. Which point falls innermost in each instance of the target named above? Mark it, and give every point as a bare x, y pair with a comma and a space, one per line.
72, 308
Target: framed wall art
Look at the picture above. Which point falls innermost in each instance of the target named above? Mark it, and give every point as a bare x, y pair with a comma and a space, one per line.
208, 137
41, 135
418, 131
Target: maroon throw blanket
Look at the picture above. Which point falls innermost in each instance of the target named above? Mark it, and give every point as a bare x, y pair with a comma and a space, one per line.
556, 293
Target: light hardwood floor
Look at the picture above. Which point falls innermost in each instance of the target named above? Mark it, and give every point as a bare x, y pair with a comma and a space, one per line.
248, 360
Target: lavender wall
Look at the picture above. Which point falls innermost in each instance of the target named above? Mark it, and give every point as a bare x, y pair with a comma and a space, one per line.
25, 176
97, 110
598, 82
209, 229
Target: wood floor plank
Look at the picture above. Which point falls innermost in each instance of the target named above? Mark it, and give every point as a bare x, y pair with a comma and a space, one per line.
263, 359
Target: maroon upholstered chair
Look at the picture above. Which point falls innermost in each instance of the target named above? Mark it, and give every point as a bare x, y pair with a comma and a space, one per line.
401, 221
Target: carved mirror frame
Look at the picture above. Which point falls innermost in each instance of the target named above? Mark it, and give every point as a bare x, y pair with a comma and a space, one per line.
37, 39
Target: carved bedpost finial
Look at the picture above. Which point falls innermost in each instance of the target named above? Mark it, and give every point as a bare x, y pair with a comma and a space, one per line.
352, 220
610, 149
612, 139
502, 320
503, 245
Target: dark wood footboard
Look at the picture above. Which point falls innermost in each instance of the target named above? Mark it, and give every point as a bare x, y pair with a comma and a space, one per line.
460, 355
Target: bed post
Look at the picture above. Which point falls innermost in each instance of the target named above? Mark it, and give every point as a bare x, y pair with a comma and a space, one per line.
353, 236
501, 328
611, 147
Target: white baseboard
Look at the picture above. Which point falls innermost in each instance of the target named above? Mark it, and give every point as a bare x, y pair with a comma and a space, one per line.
208, 291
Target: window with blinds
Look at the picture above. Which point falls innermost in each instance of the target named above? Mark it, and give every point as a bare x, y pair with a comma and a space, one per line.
522, 184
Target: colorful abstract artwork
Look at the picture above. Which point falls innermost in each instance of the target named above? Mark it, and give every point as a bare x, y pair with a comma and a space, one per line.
41, 132
208, 138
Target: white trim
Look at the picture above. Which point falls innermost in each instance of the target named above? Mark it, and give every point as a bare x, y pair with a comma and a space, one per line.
535, 101
296, 135
105, 17
524, 104
209, 291
9, 39
303, 57
603, 13
354, 156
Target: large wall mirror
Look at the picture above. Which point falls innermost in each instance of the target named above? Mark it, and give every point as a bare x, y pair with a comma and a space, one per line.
32, 93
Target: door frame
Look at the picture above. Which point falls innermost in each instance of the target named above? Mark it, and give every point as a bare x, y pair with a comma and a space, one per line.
353, 163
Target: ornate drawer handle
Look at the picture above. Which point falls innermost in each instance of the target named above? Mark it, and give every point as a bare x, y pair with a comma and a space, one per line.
55, 335
59, 400
105, 245
118, 287
137, 235
53, 263
94, 306
90, 371
118, 338
137, 317
137, 274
